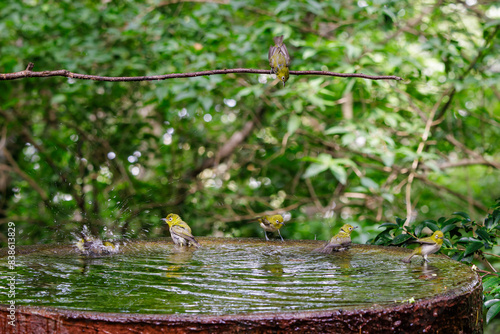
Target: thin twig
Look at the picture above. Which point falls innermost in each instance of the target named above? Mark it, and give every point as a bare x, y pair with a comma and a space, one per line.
495, 255
487, 272
27, 73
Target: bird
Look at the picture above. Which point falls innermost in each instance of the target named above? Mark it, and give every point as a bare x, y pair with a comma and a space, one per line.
90, 246
279, 59
339, 242
429, 245
180, 231
271, 224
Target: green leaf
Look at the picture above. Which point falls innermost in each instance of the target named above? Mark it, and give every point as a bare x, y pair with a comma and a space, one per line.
314, 169
369, 183
282, 6
483, 234
492, 312
308, 53
471, 248
400, 221
339, 173
58, 98
419, 228
401, 239
467, 259
390, 14
462, 214
293, 124
490, 282
467, 239
448, 228
431, 224
388, 158
490, 302
452, 221
389, 225
336, 130
492, 23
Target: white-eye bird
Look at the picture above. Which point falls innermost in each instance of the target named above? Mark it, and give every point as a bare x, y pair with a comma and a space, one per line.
279, 59
180, 231
271, 224
339, 242
429, 245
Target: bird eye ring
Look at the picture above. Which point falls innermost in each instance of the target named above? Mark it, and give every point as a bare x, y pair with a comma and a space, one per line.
283, 78
170, 219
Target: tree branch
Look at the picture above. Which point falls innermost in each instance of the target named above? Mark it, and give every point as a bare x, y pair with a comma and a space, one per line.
467, 150
27, 73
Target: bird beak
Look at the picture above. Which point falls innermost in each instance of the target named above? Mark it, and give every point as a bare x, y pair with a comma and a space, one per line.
283, 84
355, 227
164, 219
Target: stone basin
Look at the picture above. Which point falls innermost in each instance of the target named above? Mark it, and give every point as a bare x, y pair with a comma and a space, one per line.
239, 285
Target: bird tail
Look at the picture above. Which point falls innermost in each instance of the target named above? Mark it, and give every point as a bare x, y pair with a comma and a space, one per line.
278, 40
408, 258
326, 249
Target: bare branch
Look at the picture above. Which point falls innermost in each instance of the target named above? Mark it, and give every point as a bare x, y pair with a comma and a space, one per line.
27, 73
348, 75
467, 150
466, 162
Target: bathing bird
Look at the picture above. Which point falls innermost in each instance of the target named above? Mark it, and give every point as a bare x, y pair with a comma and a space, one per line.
180, 231
340, 241
429, 245
271, 224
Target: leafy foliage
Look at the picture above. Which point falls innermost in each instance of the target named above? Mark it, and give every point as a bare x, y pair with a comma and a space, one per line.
221, 150
119, 156
465, 240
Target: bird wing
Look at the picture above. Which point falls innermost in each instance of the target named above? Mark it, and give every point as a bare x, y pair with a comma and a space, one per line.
334, 243
284, 51
272, 51
264, 222
339, 241
183, 233
426, 241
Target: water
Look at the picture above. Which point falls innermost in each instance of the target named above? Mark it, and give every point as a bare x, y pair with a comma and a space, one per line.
227, 276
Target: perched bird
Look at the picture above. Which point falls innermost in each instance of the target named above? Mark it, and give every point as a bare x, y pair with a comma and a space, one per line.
180, 231
427, 246
279, 60
339, 242
272, 224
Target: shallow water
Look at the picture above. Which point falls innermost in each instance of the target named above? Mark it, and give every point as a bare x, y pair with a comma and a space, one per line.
228, 277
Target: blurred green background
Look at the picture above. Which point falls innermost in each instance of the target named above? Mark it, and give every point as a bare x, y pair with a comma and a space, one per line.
120, 156
222, 150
